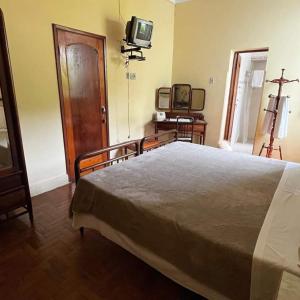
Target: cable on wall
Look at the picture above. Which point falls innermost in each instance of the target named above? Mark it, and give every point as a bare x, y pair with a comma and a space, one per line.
128, 101
120, 14
126, 57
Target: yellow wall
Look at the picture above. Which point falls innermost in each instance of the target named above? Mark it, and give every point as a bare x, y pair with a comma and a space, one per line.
206, 33
32, 56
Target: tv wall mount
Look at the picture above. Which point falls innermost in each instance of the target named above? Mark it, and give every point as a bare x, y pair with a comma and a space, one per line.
135, 53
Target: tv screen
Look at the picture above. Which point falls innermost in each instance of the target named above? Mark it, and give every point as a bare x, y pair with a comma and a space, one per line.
139, 32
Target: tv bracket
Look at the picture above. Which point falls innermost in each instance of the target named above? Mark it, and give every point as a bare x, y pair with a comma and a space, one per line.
135, 53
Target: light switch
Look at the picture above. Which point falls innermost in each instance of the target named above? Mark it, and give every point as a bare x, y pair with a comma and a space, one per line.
132, 76
211, 80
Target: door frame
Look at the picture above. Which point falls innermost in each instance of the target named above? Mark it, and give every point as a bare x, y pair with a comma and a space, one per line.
55, 28
233, 90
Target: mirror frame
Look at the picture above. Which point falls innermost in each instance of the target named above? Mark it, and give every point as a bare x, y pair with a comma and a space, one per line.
170, 99
198, 89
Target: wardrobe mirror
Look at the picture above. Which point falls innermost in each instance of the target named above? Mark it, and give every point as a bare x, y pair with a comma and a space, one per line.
198, 99
163, 99
5, 153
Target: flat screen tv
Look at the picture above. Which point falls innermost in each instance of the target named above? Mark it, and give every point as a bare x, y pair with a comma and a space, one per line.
139, 32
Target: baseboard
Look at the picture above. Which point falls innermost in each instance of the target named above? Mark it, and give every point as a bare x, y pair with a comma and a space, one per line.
48, 184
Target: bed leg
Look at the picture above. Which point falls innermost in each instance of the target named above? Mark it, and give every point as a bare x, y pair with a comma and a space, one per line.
81, 231
261, 149
280, 152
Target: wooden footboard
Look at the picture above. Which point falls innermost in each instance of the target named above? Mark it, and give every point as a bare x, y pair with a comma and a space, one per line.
91, 161
154, 141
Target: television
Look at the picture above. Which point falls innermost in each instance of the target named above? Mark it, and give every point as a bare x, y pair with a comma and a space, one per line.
139, 32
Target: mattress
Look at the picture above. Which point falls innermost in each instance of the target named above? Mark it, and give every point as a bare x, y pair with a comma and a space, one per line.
198, 209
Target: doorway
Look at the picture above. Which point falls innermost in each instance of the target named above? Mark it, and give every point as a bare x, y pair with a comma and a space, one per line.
246, 90
80, 61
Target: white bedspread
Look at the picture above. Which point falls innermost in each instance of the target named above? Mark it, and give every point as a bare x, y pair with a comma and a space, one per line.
276, 259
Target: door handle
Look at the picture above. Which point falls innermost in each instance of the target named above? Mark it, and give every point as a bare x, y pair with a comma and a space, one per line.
103, 113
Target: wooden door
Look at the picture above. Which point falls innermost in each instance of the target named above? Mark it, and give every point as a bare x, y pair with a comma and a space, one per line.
80, 59
232, 95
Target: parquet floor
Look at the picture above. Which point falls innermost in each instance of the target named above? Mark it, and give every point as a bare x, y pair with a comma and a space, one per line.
52, 261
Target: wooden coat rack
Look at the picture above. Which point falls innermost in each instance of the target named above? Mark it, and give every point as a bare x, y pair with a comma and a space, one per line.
270, 148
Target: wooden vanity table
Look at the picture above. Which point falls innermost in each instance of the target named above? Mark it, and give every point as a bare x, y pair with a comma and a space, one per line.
181, 100
170, 123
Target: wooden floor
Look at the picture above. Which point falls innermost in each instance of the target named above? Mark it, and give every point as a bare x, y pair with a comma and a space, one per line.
52, 261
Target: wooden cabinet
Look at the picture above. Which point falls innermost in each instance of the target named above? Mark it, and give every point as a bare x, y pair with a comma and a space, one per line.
14, 190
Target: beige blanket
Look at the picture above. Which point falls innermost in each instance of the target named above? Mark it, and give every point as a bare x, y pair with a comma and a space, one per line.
197, 207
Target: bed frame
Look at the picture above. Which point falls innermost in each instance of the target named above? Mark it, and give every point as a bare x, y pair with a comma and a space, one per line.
92, 161
100, 159
104, 159
171, 135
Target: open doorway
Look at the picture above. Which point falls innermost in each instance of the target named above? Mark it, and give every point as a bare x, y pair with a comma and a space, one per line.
246, 90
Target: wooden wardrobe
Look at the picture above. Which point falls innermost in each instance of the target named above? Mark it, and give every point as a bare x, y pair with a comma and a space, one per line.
14, 190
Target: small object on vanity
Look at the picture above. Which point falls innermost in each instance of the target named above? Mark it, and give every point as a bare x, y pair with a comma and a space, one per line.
159, 116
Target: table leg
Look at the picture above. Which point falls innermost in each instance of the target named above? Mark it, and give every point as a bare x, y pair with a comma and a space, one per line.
156, 131
204, 136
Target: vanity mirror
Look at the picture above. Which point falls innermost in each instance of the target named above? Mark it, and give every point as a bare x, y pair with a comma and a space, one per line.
163, 99
181, 97
198, 100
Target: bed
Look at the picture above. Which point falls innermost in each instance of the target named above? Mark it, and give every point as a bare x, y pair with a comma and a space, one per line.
223, 224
